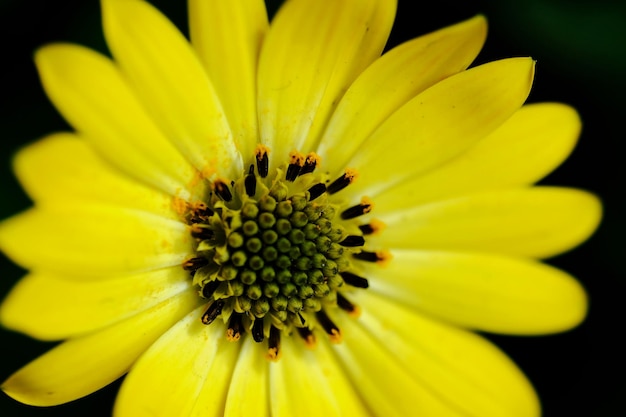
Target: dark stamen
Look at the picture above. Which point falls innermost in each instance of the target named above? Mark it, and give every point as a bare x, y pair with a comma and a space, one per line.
367, 229
250, 182
235, 327
328, 326
222, 191
257, 331
354, 280
316, 191
296, 161
273, 344
352, 241
310, 163
202, 231
214, 310
342, 182
368, 256
344, 304
209, 288
193, 264
262, 160
356, 211
307, 335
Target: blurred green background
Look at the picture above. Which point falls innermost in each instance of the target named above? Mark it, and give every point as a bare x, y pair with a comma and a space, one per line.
580, 50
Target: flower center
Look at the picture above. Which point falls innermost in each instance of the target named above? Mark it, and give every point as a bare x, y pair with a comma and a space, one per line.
273, 253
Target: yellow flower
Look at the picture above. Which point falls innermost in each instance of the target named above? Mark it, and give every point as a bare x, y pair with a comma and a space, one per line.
277, 220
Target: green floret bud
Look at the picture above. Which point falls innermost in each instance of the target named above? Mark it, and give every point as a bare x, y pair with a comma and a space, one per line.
284, 209
323, 243
270, 253
283, 262
254, 292
283, 226
268, 273
288, 289
237, 288
228, 272
330, 269
296, 236
266, 220
335, 251
256, 262
242, 304
298, 219
283, 276
250, 210
283, 245
271, 289
335, 282
313, 211
315, 276
239, 258
305, 291
250, 228
311, 231
294, 252
298, 202
336, 234
299, 278
308, 248
328, 212
325, 226
279, 302
260, 307
236, 240
294, 305
248, 277
303, 263
321, 290
312, 304
318, 261
267, 203
254, 245
269, 237
279, 191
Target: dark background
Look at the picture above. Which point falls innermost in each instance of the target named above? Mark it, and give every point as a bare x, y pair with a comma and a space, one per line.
580, 50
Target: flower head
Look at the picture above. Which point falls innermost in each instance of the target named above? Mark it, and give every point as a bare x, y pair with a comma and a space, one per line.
277, 220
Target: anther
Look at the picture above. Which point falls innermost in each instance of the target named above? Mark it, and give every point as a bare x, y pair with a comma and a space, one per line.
353, 241
262, 160
193, 264
316, 191
307, 335
222, 191
346, 305
296, 162
235, 328
375, 226
201, 231
358, 210
250, 182
311, 162
273, 343
328, 326
370, 256
354, 280
342, 182
257, 331
214, 310
209, 288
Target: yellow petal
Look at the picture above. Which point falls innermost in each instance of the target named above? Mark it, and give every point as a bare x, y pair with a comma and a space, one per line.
528, 146
312, 53
62, 170
227, 36
442, 122
184, 373
92, 95
172, 85
249, 386
535, 222
386, 387
47, 307
81, 366
93, 240
483, 292
394, 79
460, 368
310, 382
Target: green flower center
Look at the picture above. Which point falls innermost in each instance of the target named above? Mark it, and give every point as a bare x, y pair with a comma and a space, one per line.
273, 252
